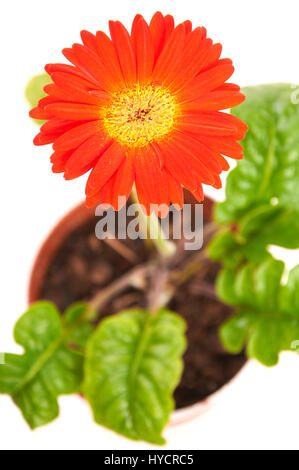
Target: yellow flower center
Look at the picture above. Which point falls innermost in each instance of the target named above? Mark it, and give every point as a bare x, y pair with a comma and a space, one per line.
140, 115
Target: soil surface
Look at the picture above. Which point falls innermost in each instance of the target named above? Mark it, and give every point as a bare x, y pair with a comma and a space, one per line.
84, 265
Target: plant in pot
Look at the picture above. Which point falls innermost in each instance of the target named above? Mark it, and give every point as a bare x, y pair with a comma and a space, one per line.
143, 112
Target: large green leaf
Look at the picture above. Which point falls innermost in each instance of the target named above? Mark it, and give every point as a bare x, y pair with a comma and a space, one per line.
48, 368
133, 365
262, 192
270, 168
262, 226
267, 316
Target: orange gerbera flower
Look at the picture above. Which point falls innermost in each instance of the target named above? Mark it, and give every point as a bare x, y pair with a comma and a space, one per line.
142, 107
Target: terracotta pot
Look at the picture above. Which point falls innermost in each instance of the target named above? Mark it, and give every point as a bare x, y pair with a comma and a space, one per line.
72, 220
76, 217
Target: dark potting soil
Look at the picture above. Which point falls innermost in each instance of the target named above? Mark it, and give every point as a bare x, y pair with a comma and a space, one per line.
84, 265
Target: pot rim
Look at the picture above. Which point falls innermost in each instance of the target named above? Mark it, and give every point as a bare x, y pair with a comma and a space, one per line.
190, 412
48, 248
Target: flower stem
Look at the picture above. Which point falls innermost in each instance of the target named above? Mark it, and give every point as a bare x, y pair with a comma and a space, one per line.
150, 227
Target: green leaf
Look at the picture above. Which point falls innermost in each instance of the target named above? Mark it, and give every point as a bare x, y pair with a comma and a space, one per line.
290, 293
233, 332
133, 364
261, 208
270, 168
261, 227
262, 192
267, 317
224, 246
231, 248
48, 368
256, 219
268, 225
35, 90
79, 335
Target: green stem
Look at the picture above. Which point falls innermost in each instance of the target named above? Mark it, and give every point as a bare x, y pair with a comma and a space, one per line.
151, 229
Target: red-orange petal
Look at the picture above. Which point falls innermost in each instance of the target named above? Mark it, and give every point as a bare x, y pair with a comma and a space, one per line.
104, 169
176, 194
215, 101
224, 164
224, 145
201, 159
71, 94
44, 139
207, 156
142, 199
70, 55
123, 45
77, 135
228, 86
90, 62
73, 111
198, 193
106, 193
85, 155
169, 26
168, 62
58, 125
205, 82
108, 56
195, 55
180, 161
188, 26
59, 160
39, 113
240, 126
210, 124
48, 100
90, 201
71, 71
217, 184
144, 49
150, 177
123, 182
89, 40
82, 84
213, 56
157, 30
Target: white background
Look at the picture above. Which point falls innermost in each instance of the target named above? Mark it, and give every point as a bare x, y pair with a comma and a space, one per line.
262, 409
